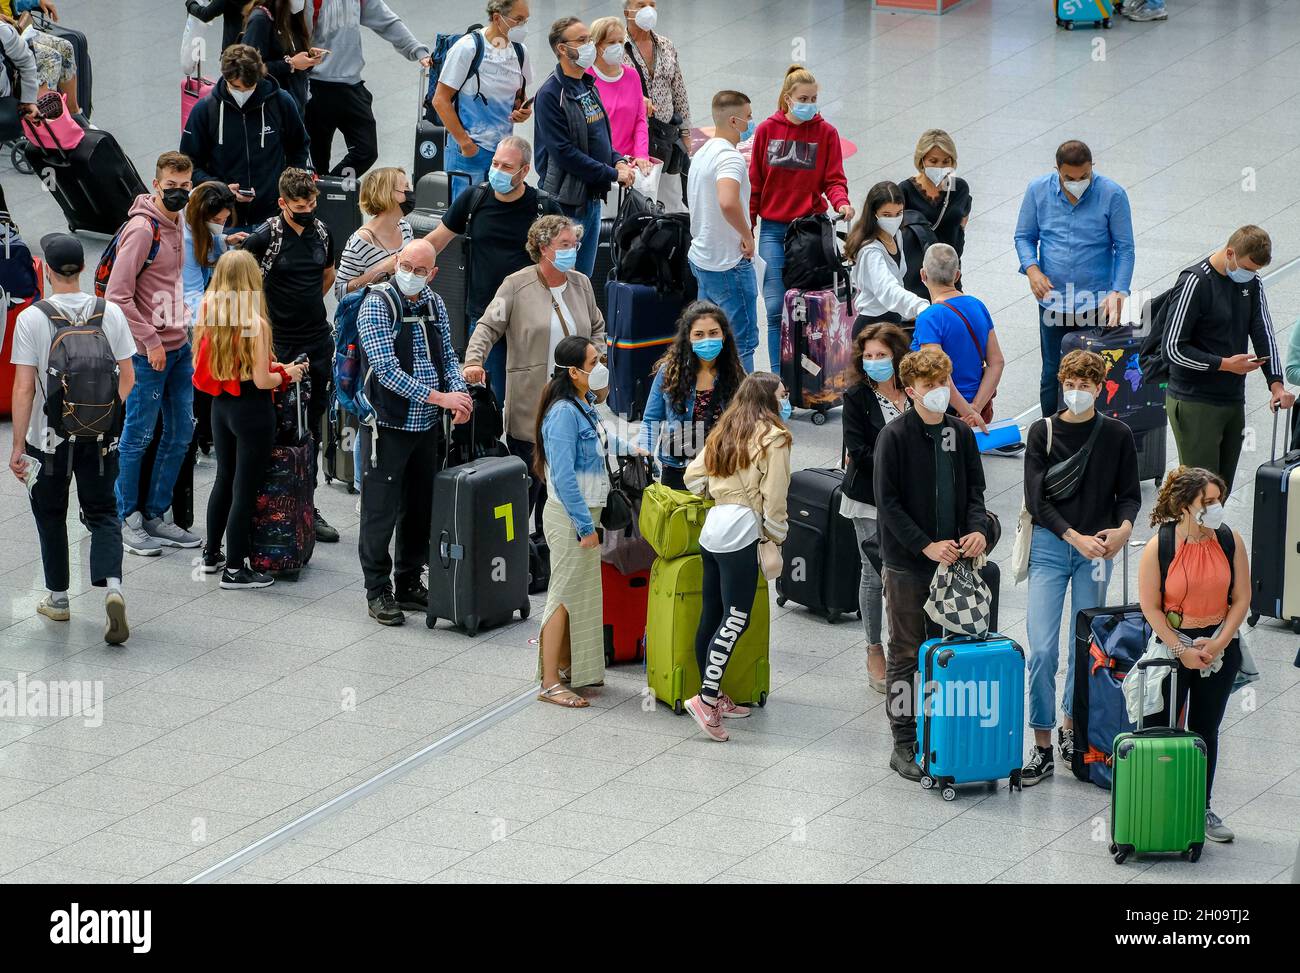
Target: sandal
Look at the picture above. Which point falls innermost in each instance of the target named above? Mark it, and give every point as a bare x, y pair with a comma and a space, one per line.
562, 696
565, 675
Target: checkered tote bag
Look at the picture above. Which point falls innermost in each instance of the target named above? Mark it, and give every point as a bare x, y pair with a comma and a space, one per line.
960, 601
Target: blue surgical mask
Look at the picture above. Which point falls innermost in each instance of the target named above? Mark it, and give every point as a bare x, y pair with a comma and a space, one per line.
748, 133
500, 181
1241, 275
805, 111
566, 260
786, 410
707, 349
878, 369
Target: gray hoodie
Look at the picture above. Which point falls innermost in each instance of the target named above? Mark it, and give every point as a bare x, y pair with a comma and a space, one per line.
336, 27
17, 51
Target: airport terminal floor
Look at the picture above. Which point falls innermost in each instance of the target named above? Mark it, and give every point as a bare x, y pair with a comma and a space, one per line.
231, 715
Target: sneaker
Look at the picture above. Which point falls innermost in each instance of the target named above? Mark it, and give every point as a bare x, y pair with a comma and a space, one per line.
115, 628
1065, 743
325, 534
245, 577
903, 760
730, 709
1040, 765
212, 563
876, 668
384, 609
708, 718
1144, 12
54, 610
1010, 449
1215, 829
414, 598
168, 533
136, 540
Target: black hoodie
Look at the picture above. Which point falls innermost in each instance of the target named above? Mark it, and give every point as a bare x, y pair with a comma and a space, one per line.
249, 146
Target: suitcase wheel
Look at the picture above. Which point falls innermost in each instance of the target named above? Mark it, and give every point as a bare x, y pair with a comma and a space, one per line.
1106, 23
1252, 619
1193, 853
762, 699
352, 489
831, 615
819, 418
949, 793
780, 602
677, 707
524, 610
1120, 856
430, 621
1295, 625
471, 626
1015, 781
927, 782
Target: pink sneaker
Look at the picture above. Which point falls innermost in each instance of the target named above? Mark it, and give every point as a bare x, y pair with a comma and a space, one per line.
730, 709
708, 717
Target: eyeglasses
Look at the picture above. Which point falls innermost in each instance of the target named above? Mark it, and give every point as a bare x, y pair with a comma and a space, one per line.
418, 271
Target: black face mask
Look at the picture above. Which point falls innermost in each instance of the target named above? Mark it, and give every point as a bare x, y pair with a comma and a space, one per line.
174, 200
299, 219
407, 205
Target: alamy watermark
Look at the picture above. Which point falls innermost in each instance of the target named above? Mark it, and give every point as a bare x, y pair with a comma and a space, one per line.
40, 698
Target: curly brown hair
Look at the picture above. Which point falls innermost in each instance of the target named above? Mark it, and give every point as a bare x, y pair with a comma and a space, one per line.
1183, 486
680, 365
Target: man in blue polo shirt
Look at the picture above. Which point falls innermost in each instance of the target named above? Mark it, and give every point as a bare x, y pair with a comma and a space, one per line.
1074, 239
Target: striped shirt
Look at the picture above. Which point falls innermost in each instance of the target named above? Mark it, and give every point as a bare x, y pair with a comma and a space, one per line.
360, 254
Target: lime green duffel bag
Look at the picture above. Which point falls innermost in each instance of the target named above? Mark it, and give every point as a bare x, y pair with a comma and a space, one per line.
671, 520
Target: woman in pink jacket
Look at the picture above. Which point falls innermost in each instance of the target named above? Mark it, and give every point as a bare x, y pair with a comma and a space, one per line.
620, 91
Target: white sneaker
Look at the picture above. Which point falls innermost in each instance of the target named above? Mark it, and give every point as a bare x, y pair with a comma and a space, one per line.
136, 539
54, 610
170, 534
1142, 13
115, 628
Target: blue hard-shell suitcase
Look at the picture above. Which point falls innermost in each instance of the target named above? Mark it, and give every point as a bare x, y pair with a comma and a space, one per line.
1087, 13
640, 325
970, 705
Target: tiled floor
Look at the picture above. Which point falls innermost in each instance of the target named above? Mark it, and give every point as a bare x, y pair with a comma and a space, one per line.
230, 714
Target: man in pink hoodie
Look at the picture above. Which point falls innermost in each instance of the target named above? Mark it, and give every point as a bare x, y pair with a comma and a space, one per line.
145, 282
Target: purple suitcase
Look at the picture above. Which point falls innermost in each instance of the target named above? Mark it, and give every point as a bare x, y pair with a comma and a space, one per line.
816, 348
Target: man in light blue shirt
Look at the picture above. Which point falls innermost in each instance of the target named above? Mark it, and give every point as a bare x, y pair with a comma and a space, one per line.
1074, 239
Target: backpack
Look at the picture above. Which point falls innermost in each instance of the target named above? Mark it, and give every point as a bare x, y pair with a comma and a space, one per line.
104, 269
350, 392
1168, 542
442, 44
81, 378
276, 241
1151, 353
546, 205
916, 235
649, 246
17, 269
812, 254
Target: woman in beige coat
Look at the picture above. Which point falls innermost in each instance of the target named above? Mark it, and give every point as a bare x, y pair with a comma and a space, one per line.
534, 309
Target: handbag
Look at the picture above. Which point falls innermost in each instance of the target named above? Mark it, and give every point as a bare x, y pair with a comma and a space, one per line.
617, 513
55, 130
1025, 529
1062, 480
960, 601
770, 560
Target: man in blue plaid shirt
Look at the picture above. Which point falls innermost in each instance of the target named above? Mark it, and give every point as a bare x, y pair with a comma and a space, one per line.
413, 374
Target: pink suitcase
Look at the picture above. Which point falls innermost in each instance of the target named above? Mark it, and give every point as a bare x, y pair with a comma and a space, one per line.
816, 348
192, 89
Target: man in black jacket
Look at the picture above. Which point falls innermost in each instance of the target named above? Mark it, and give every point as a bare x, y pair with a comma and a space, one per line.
929, 488
244, 133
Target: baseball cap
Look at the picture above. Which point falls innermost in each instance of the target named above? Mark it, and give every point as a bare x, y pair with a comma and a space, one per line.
63, 253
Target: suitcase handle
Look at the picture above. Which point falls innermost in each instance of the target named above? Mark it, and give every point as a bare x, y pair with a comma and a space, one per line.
1142, 666
1272, 453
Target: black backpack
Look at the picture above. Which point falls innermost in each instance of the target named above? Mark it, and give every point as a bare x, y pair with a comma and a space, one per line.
481, 436
649, 246
81, 377
916, 236
812, 254
1151, 326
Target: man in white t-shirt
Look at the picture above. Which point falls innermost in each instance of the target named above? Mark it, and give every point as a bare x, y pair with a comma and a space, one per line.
46, 463
479, 105
722, 240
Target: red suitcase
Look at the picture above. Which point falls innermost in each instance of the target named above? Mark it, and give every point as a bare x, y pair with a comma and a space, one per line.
193, 88
626, 598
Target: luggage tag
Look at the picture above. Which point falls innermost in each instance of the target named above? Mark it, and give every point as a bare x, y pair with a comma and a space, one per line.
810, 366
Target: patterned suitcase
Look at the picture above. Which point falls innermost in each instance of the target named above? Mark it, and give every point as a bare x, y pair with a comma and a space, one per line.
625, 598
970, 709
816, 348
284, 518
1087, 13
1140, 405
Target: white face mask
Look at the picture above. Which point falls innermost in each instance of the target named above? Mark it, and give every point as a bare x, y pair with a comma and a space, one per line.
1076, 187
612, 55
295, 6
584, 56
409, 283
938, 175
646, 18
890, 224
936, 400
517, 34
598, 378
217, 229
1079, 401
240, 97
1211, 516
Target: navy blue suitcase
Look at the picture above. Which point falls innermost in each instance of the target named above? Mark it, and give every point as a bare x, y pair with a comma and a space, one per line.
639, 327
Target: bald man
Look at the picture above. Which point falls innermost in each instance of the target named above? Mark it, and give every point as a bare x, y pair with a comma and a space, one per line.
406, 339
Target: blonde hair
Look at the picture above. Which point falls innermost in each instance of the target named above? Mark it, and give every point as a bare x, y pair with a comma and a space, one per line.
928, 365
934, 138
602, 27
378, 187
230, 317
795, 74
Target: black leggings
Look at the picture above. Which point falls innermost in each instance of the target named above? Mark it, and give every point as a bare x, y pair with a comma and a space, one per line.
1206, 698
242, 429
730, 583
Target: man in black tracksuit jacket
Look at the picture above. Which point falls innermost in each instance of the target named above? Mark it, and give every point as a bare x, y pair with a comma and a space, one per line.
248, 146
929, 487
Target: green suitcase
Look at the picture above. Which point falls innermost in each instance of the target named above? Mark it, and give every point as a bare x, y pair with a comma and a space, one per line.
671, 622
671, 520
1158, 797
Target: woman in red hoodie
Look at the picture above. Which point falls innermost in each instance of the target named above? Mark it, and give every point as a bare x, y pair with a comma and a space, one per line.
795, 166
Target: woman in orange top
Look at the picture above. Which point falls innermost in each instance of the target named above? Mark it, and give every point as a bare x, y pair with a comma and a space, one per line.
1205, 600
233, 363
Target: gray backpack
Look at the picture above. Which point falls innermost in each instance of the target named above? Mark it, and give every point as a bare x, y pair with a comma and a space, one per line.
81, 379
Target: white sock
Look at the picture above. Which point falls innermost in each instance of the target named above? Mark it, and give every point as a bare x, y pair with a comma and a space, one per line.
59, 597
114, 584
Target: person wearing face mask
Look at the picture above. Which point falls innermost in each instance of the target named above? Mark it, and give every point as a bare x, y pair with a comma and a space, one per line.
151, 294
481, 90
1074, 239
745, 470
296, 256
620, 92
929, 490
412, 376
244, 133
796, 163
1194, 588
207, 213
1217, 312
694, 382
1076, 535
493, 220
722, 240
668, 106
370, 255
938, 196
879, 264
534, 309
576, 159
871, 402
277, 30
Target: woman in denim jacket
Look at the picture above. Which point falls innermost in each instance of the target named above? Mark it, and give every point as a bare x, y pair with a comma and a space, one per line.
695, 381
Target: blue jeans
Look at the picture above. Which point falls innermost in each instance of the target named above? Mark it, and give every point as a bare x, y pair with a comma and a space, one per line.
771, 247
588, 217
477, 166
1055, 566
170, 391
1052, 329
736, 292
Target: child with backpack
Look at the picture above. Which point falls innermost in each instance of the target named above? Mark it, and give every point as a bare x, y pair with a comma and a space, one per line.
73, 370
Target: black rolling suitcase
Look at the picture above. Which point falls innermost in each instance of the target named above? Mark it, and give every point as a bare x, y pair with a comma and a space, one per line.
1275, 539
604, 268
823, 566
339, 434
432, 198
639, 327
94, 184
80, 54
183, 489
430, 137
1152, 447
338, 206
478, 547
